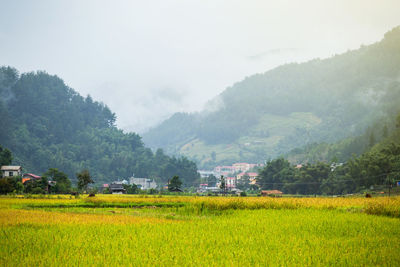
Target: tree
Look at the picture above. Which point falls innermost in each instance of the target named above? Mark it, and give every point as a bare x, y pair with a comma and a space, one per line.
84, 179
62, 183
175, 184
5, 156
6, 185
275, 173
243, 183
223, 183
131, 189
212, 180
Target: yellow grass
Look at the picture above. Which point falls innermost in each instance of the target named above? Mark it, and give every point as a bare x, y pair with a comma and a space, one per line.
204, 231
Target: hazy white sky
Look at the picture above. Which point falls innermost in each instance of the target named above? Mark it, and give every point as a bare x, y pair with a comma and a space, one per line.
148, 59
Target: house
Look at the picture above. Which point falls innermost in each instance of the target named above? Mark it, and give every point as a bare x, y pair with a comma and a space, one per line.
241, 167
11, 171
230, 182
252, 176
224, 170
276, 193
105, 188
117, 188
143, 183
175, 190
30, 176
206, 174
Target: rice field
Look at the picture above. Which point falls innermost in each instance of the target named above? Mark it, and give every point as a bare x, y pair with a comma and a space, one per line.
131, 230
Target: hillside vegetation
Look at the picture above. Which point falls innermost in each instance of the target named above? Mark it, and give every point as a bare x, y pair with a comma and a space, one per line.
47, 124
270, 114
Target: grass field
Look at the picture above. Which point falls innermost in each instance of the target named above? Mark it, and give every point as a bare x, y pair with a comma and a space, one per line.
141, 230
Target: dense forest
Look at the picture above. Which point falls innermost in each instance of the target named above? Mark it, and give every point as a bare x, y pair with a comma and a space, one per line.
46, 124
344, 149
267, 115
378, 167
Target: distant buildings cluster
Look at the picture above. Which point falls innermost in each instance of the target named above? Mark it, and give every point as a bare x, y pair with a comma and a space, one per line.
117, 187
230, 170
232, 175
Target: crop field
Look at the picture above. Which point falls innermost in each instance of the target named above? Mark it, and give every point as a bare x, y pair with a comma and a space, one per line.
131, 230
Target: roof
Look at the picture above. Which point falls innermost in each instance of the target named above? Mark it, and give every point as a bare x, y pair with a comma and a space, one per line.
252, 174
32, 175
116, 186
175, 190
11, 168
268, 192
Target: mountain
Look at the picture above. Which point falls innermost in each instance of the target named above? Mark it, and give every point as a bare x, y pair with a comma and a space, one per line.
270, 114
47, 124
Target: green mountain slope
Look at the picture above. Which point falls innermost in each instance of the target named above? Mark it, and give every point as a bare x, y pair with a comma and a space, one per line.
269, 114
46, 124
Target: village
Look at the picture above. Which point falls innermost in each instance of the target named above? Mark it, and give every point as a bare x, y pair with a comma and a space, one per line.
233, 179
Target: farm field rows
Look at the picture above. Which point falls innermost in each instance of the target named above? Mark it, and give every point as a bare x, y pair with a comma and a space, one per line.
109, 230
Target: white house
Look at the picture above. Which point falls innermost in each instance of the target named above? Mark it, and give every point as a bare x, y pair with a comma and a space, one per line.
11, 171
143, 183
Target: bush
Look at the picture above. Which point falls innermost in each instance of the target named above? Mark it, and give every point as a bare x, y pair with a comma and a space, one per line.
38, 190
243, 194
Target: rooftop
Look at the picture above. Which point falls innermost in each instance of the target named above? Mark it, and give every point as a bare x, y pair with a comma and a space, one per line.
33, 175
11, 168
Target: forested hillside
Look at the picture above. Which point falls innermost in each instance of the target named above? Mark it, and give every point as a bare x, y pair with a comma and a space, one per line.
269, 114
344, 149
377, 168
46, 125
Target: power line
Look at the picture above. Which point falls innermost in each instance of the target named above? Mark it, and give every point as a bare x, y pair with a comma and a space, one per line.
324, 182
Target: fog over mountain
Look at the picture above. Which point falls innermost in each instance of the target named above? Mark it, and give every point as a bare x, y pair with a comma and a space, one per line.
268, 114
149, 59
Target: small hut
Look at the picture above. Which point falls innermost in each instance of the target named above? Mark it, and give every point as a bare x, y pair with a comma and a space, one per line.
271, 193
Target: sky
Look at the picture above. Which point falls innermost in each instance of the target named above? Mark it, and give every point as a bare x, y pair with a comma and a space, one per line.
149, 59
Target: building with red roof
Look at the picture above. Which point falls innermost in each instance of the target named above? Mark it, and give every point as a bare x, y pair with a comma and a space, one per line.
30, 176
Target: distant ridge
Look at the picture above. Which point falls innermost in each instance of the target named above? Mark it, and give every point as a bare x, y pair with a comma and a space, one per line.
293, 105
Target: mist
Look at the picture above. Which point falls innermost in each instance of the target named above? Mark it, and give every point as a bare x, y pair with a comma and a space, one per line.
147, 60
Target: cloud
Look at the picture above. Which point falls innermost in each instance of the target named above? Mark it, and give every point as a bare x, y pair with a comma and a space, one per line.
273, 52
149, 59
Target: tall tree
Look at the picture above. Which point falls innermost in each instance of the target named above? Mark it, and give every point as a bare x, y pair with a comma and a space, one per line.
212, 180
243, 183
5, 156
175, 184
84, 179
62, 182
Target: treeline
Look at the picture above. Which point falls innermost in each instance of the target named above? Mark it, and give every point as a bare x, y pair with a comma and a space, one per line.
345, 149
379, 167
47, 124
